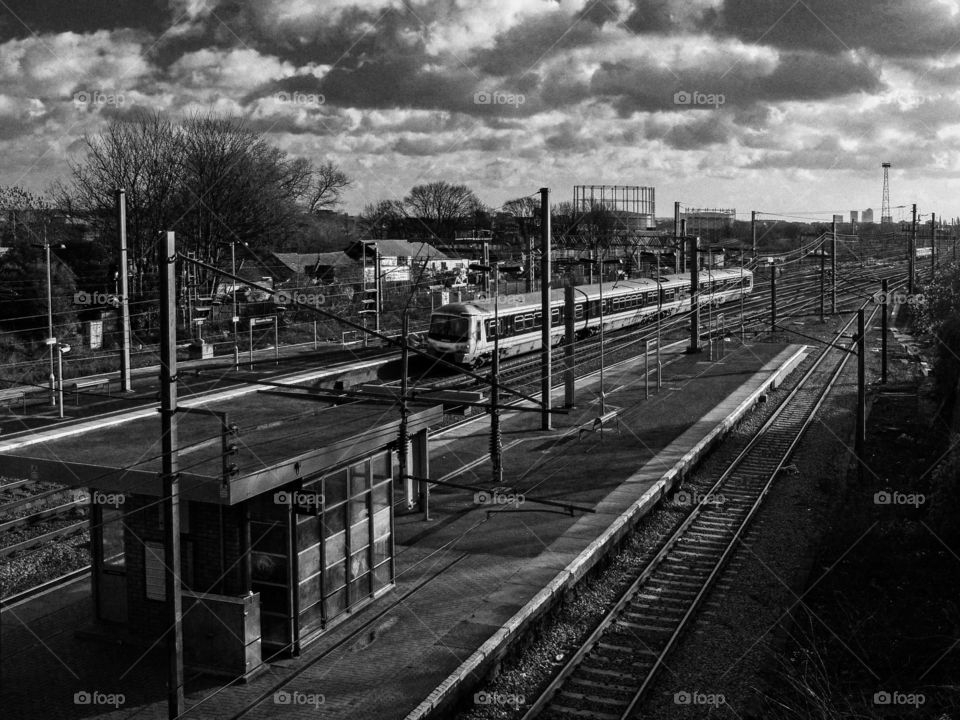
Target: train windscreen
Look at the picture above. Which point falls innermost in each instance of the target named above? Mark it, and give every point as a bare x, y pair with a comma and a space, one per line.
449, 328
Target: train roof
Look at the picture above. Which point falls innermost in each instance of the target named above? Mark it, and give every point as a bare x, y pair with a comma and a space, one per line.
509, 302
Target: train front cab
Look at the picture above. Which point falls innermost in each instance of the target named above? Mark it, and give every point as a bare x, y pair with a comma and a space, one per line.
454, 336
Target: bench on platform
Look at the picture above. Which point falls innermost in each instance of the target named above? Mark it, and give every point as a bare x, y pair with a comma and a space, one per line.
79, 385
12, 395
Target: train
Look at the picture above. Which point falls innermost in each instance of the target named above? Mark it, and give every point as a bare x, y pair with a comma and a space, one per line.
464, 332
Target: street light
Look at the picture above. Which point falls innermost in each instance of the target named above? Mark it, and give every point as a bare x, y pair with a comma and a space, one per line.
46, 247
496, 442
233, 284
62, 349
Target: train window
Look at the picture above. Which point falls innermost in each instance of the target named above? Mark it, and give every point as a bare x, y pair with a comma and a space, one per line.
449, 328
555, 316
578, 312
538, 319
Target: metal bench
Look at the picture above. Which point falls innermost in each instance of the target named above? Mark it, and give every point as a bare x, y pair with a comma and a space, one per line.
79, 385
12, 395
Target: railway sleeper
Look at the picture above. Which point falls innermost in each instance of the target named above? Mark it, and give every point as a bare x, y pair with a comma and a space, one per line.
657, 619
659, 592
605, 673
644, 627
707, 537
603, 686
717, 520
687, 559
558, 709
682, 572
591, 698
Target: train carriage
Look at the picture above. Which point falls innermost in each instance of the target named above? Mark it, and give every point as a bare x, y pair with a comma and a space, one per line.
464, 332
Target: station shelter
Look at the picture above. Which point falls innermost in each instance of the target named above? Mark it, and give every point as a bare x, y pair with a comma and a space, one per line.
287, 504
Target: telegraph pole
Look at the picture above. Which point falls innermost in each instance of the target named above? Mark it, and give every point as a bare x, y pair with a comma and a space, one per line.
773, 297
833, 265
753, 232
861, 395
170, 473
911, 261
569, 308
683, 249
546, 316
694, 298
884, 285
823, 272
403, 439
676, 237
121, 203
933, 244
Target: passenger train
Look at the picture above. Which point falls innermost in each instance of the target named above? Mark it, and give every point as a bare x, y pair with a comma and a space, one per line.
464, 332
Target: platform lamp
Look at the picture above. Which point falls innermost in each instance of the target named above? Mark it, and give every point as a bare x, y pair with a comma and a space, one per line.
50, 341
234, 317
62, 349
496, 441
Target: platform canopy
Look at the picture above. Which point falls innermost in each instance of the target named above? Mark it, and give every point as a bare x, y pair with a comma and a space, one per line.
284, 436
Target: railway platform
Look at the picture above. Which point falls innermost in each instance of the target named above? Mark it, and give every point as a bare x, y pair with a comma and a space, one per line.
487, 564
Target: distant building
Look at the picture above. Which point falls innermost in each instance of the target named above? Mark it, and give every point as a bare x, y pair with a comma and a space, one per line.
397, 257
838, 219
868, 215
854, 216
708, 223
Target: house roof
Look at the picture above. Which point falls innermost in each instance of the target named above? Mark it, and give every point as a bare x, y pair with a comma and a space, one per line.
407, 248
297, 262
337, 258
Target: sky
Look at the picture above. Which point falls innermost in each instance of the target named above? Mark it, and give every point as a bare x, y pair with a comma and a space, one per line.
781, 106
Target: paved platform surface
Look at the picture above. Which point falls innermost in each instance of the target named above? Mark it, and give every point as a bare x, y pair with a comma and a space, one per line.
468, 580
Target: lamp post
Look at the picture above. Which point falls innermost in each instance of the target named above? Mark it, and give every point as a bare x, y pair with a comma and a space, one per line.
62, 349
496, 442
50, 340
235, 319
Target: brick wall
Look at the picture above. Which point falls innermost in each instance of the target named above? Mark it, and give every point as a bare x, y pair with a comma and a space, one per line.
200, 557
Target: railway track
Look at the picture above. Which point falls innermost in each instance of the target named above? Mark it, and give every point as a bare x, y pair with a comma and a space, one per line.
608, 677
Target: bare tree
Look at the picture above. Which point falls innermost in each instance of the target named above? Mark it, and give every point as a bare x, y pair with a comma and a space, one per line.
327, 183
235, 187
381, 219
211, 179
141, 156
441, 206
